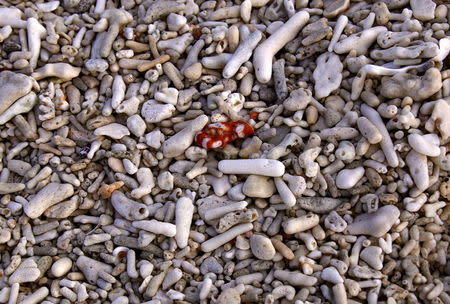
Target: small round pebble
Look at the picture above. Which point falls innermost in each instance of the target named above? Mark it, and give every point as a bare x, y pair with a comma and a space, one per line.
61, 267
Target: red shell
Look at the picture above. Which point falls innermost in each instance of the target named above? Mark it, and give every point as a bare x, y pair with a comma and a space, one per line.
218, 135
254, 115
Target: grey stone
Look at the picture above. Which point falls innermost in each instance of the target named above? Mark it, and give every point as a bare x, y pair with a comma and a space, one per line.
11, 46
229, 296
375, 224
319, 204
48, 196
91, 268
423, 9
62, 210
77, 6
211, 264
155, 112
12, 87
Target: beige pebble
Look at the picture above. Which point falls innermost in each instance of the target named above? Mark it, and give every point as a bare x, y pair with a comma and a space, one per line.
262, 247
61, 267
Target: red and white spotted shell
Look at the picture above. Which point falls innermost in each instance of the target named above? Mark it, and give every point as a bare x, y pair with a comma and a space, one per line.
218, 135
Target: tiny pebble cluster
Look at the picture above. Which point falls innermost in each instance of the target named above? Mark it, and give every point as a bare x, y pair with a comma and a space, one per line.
224, 152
